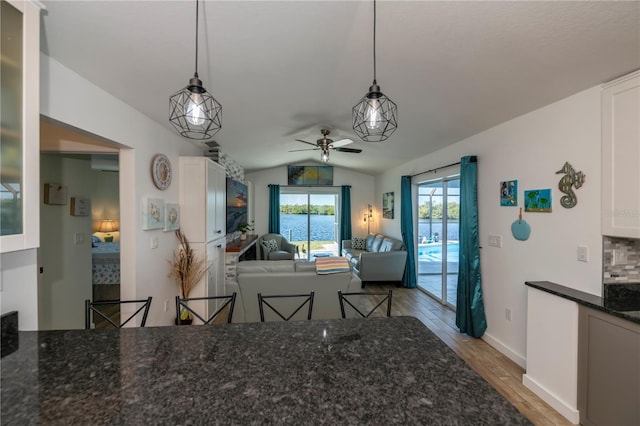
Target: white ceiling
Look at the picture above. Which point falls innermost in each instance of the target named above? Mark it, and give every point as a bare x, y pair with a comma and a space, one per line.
284, 69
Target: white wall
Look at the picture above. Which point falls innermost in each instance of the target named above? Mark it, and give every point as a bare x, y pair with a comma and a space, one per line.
144, 270
530, 148
362, 193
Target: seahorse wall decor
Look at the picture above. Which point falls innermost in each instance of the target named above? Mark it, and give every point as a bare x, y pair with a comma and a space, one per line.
570, 179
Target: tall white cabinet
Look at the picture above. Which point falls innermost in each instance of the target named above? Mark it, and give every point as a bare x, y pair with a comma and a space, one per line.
621, 157
203, 221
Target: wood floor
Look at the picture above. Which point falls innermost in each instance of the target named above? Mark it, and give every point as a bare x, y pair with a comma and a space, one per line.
502, 373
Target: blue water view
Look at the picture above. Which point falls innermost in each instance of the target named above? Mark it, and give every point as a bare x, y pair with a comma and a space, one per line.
294, 227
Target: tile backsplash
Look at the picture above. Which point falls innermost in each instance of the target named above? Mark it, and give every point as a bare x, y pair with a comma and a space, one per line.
628, 272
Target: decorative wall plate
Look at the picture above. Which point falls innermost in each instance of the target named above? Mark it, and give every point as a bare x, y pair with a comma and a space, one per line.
161, 171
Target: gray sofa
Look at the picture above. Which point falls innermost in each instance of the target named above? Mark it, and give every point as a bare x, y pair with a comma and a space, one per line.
382, 258
287, 277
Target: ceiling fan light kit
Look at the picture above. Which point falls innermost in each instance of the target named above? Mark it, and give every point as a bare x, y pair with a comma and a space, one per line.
193, 111
325, 144
375, 116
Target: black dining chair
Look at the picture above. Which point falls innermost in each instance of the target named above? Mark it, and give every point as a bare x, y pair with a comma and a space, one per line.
183, 304
264, 300
101, 308
344, 298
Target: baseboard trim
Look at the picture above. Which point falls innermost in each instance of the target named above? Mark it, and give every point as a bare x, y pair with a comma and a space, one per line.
560, 406
505, 350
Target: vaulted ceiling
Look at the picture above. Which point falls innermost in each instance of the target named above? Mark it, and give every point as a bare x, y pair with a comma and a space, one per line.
283, 70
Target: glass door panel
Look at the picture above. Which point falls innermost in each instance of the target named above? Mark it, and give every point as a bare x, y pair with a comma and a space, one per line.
322, 219
294, 221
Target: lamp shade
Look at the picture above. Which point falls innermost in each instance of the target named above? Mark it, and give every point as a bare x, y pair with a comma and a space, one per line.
107, 226
375, 117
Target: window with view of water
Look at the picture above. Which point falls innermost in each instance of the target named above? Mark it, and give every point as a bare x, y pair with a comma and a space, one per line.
438, 237
309, 220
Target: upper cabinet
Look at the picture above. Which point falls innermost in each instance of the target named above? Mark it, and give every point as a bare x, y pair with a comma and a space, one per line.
202, 199
19, 125
621, 157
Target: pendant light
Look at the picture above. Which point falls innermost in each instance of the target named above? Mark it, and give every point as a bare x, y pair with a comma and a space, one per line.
375, 117
325, 155
193, 112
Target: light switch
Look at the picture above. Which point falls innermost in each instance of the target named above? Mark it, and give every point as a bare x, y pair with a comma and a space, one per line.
495, 240
78, 238
154, 242
583, 253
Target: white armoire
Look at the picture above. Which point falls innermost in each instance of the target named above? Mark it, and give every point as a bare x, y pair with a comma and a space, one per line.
203, 222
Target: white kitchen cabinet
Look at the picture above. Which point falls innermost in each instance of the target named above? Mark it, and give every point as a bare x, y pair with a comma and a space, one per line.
202, 184
621, 157
20, 126
202, 199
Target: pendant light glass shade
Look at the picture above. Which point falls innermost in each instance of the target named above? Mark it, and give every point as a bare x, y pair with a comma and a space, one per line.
375, 117
325, 156
193, 112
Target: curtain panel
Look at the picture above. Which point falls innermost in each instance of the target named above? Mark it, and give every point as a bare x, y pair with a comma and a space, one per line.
345, 215
274, 209
406, 228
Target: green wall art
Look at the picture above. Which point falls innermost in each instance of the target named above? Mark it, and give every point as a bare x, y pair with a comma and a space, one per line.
537, 200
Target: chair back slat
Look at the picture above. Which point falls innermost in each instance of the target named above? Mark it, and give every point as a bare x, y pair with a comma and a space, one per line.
228, 301
263, 300
90, 306
344, 298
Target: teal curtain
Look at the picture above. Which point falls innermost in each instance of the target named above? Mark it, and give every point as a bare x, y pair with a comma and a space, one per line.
406, 227
274, 209
345, 214
470, 317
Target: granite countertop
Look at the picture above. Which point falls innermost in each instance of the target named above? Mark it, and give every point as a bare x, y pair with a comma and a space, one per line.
355, 371
621, 300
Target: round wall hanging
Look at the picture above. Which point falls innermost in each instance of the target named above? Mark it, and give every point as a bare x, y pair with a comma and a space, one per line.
161, 171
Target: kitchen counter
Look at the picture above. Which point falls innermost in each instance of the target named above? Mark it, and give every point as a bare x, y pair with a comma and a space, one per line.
617, 302
359, 371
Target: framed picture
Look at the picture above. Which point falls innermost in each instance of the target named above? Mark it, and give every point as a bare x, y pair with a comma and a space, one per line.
537, 200
171, 217
80, 206
388, 205
152, 213
509, 193
310, 175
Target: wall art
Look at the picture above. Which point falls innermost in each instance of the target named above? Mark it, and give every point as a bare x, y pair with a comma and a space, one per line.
80, 206
570, 179
310, 175
388, 205
152, 213
171, 217
509, 193
537, 200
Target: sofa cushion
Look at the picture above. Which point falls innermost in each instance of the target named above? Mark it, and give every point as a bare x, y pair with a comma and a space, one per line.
304, 266
391, 244
358, 243
370, 239
258, 266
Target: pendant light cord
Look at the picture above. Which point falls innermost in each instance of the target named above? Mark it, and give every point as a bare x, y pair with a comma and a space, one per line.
196, 73
374, 42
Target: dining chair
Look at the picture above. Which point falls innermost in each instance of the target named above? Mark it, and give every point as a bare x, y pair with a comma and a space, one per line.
264, 300
183, 304
94, 307
344, 298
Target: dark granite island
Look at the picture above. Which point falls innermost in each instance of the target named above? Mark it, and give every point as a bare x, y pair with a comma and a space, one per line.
373, 371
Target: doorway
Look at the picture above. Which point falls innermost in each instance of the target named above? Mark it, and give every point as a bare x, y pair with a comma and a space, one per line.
309, 219
438, 238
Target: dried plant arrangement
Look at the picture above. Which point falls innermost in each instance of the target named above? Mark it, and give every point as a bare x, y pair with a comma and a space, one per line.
186, 267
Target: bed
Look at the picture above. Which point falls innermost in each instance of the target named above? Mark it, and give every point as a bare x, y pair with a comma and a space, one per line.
105, 268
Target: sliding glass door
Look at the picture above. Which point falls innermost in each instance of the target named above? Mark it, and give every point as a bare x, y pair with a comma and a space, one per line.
438, 230
309, 219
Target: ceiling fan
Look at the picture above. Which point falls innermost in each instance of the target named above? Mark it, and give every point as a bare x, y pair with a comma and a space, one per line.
325, 144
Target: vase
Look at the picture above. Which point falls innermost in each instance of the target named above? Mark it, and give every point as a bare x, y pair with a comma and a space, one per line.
243, 236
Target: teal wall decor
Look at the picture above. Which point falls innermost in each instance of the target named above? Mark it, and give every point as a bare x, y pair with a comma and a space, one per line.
570, 179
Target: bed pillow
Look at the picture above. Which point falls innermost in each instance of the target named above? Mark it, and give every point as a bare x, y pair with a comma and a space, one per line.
95, 241
358, 243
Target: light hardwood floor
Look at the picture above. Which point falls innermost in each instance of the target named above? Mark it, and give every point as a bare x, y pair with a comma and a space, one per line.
502, 373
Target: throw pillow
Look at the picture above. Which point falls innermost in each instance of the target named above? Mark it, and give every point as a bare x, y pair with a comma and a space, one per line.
358, 243
269, 246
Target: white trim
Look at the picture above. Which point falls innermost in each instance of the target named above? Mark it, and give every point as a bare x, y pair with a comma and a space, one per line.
505, 350
556, 403
618, 80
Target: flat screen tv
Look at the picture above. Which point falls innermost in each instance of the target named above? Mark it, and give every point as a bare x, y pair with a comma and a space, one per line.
237, 210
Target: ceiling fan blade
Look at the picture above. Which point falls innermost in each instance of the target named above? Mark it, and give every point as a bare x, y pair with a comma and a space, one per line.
341, 142
308, 143
306, 149
354, 150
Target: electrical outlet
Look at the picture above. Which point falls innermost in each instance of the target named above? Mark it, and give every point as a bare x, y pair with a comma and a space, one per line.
507, 314
618, 257
583, 253
154, 242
